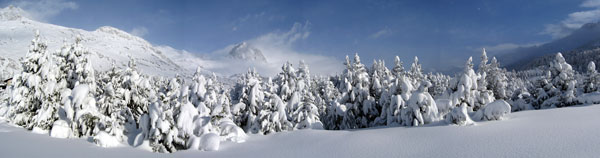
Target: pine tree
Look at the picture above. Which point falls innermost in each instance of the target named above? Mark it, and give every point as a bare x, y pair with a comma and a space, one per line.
35, 93
356, 96
591, 79
464, 88
111, 103
398, 68
415, 74
497, 80
421, 108
543, 89
249, 99
563, 78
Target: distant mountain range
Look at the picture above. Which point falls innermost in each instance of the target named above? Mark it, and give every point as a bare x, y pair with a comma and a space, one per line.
109, 45
578, 48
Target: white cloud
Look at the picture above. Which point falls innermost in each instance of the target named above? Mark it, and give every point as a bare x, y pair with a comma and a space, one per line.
504, 47
575, 20
590, 3
42, 10
278, 48
383, 32
139, 31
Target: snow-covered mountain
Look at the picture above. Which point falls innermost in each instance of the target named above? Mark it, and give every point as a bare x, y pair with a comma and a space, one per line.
245, 51
107, 45
585, 38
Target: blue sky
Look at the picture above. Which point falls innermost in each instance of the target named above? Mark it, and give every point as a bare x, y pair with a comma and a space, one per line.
442, 33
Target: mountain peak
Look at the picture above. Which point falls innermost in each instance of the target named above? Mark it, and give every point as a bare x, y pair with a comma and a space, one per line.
12, 13
246, 51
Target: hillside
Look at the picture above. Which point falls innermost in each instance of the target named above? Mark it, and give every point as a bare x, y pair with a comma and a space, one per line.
585, 38
107, 44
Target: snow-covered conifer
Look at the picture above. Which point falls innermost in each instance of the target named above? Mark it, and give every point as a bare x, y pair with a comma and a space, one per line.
563, 78
421, 108
591, 79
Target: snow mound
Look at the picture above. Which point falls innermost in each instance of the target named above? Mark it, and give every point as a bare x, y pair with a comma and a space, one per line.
193, 143
210, 142
459, 116
495, 110
589, 98
232, 132
60, 129
105, 140
39, 130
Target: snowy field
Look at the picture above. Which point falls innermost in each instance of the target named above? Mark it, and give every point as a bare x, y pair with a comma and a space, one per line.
561, 132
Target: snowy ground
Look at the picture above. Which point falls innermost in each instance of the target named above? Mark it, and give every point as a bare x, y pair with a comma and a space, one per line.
564, 132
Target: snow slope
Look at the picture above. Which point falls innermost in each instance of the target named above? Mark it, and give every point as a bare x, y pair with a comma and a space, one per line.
561, 132
107, 44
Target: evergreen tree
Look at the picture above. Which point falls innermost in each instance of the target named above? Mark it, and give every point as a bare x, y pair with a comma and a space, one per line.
563, 78
497, 80
591, 79
421, 108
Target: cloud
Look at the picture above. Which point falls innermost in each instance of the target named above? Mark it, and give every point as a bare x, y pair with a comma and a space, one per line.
383, 32
590, 3
500, 48
278, 48
575, 20
249, 19
139, 31
43, 10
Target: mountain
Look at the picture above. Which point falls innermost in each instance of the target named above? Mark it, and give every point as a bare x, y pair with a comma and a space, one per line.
585, 38
247, 52
107, 45
578, 58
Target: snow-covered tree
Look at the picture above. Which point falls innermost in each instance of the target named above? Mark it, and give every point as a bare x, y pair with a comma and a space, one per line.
355, 95
249, 98
563, 79
439, 84
421, 108
75, 66
464, 87
416, 73
398, 67
137, 90
542, 90
496, 80
79, 76
274, 117
306, 113
35, 99
112, 103
591, 79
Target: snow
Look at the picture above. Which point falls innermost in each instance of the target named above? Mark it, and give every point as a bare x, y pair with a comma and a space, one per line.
537, 136
459, 116
589, 98
79, 94
193, 143
496, 110
104, 139
185, 121
210, 142
231, 132
61, 129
